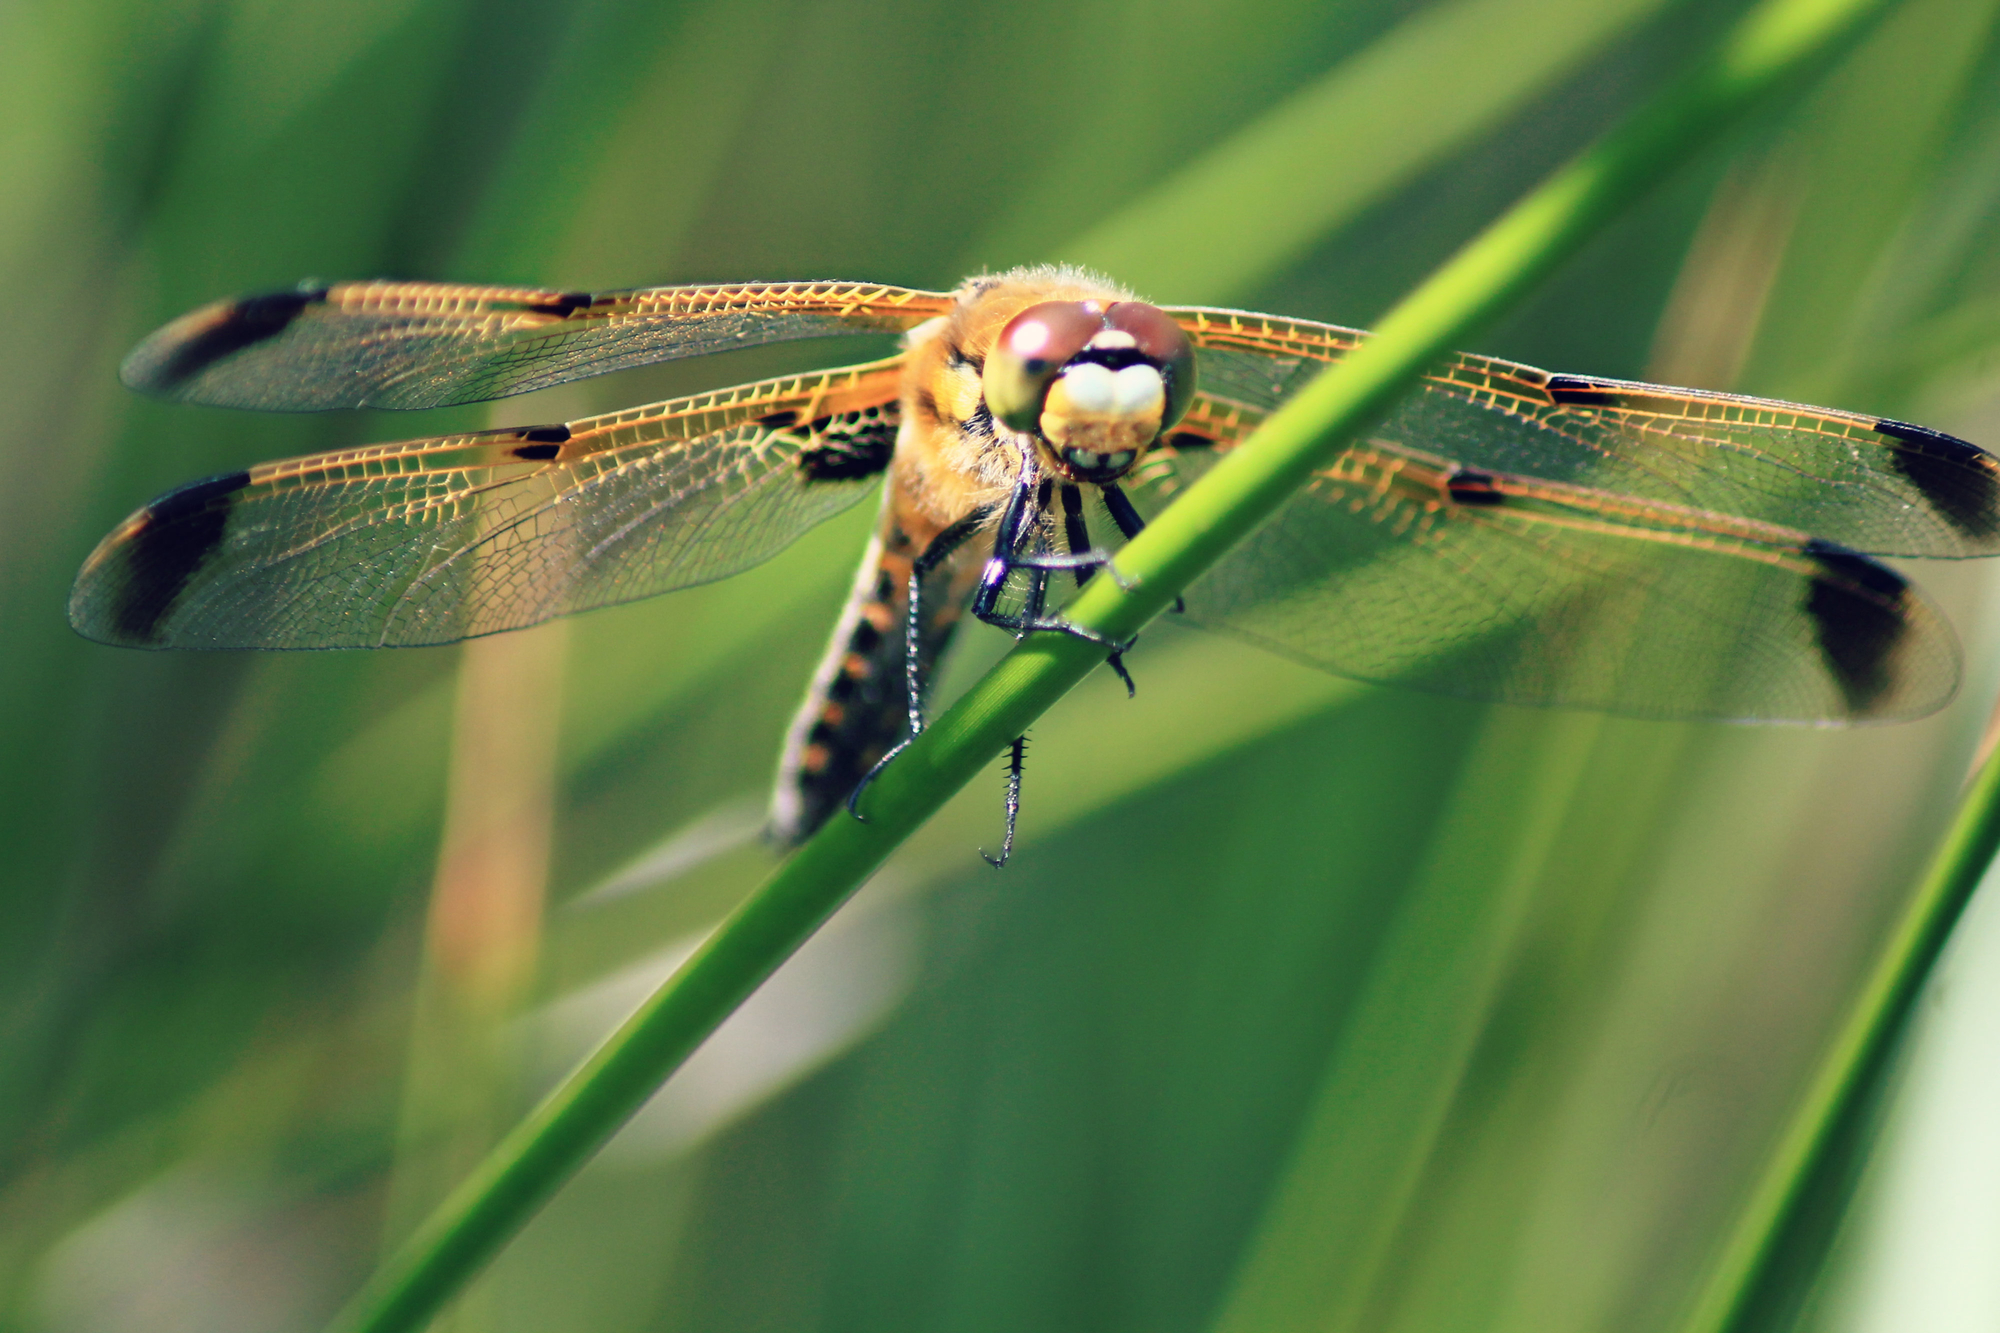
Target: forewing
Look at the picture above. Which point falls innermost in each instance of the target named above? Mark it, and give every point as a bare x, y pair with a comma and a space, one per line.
430, 541
1866, 482
425, 344
1402, 569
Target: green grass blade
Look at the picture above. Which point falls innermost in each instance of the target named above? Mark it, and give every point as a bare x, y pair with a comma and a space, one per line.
1361, 1152
1856, 1059
1249, 187
1776, 41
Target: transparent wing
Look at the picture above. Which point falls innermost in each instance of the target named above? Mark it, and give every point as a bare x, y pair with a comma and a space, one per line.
1406, 569
1867, 482
426, 344
435, 540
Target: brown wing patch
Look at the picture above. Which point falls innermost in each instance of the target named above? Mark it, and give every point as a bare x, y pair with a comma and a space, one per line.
166, 543
850, 445
427, 541
1961, 480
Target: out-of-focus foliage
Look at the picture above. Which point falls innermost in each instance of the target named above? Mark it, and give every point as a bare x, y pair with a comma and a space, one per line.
1304, 1005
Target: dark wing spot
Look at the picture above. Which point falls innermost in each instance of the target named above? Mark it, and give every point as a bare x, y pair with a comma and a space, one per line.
1857, 608
778, 420
1961, 480
245, 323
1577, 391
182, 529
547, 442
1187, 439
1467, 487
1852, 565
562, 306
849, 449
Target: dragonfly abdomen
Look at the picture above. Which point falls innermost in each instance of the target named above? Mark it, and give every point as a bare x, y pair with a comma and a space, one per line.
858, 704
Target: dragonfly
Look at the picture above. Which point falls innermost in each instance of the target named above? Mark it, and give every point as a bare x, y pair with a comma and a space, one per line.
1504, 534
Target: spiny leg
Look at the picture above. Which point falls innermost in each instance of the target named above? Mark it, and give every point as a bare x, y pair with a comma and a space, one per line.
1037, 596
1015, 531
1076, 530
1036, 599
1122, 513
1034, 602
1080, 557
1018, 526
1016, 753
935, 554
1128, 521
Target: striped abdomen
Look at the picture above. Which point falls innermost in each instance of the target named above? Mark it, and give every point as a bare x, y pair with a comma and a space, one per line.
858, 704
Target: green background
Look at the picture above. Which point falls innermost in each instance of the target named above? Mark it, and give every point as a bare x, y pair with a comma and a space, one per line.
1304, 1005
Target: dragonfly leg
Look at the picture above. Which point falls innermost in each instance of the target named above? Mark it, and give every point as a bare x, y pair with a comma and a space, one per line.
1037, 598
1015, 755
941, 548
1077, 531
1031, 618
1007, 541
1128, 521
1015, 532
1082, 557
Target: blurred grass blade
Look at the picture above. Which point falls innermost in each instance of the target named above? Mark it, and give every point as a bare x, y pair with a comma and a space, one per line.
1366, 128
1854, 1064
1775, 42
1872, 148
1382, 1106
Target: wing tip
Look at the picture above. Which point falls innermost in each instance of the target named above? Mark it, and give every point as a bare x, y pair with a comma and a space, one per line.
131, 582
170, 358
1960, 480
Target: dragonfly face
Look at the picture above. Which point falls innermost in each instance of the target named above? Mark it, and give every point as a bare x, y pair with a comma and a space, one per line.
1094, 381
1051, 365
1505, 533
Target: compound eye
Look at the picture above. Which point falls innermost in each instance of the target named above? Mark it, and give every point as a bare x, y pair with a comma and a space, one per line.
1035, 345
1163, 343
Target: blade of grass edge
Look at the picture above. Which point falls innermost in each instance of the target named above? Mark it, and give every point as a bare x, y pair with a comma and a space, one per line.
1502, 53
1855, 1060
1774, 43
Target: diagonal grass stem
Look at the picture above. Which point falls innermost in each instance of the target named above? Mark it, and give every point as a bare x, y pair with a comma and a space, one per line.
1775, 43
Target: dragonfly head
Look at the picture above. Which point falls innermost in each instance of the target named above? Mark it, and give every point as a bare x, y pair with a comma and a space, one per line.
1095, 382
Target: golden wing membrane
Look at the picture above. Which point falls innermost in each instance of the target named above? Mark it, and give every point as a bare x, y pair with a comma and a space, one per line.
1408, 569
435, 540
1870, 483
425, 344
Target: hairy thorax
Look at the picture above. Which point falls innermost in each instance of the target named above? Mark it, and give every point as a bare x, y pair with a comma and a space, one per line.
952, 457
